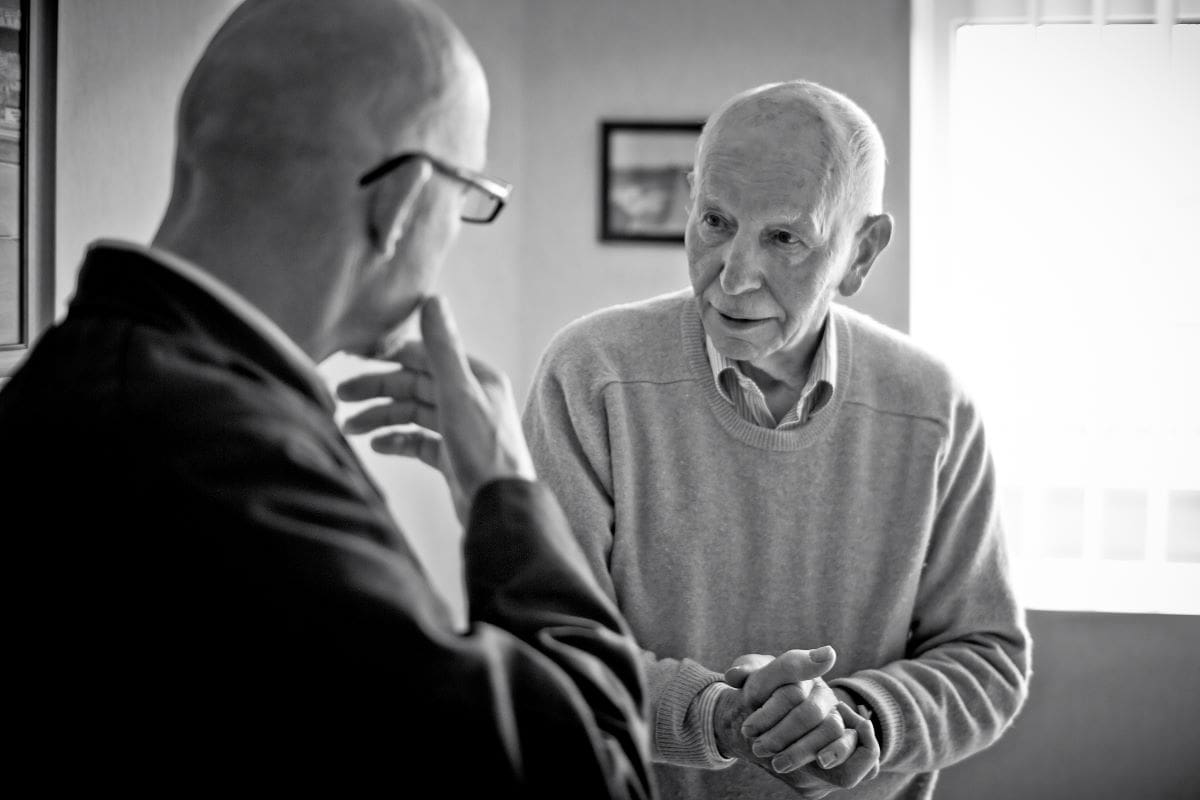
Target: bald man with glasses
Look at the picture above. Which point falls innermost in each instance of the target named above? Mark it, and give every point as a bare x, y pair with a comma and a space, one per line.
216, 590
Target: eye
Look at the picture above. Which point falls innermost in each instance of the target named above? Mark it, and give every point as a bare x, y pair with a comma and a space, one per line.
786, 237
711, 220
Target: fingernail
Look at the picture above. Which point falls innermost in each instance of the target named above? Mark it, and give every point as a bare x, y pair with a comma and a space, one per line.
760, 750
782, 765
825, 759
821, 654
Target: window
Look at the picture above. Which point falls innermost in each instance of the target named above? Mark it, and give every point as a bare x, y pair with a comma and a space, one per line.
27, 58
1056, 264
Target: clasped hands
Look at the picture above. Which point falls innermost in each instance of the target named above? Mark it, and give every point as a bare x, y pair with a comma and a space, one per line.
784, 718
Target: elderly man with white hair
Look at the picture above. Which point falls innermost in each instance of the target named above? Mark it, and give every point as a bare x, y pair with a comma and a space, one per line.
765, 480
219, 593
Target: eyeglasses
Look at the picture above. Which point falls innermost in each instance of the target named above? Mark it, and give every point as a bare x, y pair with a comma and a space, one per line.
485, 196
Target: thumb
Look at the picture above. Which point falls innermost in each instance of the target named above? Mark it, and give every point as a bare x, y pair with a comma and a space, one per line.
442, 342
793, 666
804, 665
743, 666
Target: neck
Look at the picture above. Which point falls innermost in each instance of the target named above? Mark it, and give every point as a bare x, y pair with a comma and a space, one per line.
787, 368
290, 281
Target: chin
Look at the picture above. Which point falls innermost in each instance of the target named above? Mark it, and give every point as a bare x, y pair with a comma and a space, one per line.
389, 337
736, 349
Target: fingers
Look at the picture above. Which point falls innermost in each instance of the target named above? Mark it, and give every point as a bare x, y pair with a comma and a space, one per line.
863, 762
410, 390
805, 749
443, 345
778, 705
791, 667
414, 355
806, 728
743, 666
383, 415
836, 754
409, 383
426, 447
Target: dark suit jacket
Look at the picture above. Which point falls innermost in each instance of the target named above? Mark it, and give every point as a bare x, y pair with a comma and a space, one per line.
210, 581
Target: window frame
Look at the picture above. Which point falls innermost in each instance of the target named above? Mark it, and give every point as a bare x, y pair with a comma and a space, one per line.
36, 302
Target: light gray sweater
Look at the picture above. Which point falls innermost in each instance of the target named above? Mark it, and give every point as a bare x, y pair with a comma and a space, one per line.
873, 528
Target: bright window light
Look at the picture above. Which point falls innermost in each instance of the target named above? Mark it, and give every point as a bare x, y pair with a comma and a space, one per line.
1064, 287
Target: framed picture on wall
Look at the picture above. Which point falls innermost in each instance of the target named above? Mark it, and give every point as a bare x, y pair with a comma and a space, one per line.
643, 178
27, 58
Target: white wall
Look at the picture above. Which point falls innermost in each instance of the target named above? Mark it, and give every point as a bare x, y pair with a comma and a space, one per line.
556, 67
121, 65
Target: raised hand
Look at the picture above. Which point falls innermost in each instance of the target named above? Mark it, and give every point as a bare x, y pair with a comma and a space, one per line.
466, 417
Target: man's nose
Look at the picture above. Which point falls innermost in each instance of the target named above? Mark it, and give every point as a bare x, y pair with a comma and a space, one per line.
741, 272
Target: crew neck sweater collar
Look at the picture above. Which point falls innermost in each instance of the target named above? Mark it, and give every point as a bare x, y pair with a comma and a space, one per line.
692, 333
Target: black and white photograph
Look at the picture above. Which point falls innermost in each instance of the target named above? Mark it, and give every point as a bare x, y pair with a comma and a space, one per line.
644, 179
602, 399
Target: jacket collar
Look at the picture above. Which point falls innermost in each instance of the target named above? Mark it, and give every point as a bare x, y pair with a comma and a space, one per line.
163, 289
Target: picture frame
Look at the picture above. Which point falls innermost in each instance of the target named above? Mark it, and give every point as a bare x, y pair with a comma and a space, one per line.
28, 53
644, 189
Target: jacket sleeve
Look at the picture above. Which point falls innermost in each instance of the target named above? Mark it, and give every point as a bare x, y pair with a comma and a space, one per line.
538, 588
566, 427
966, 672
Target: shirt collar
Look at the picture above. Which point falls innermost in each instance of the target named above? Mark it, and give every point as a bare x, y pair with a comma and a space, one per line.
235, 303
823, 370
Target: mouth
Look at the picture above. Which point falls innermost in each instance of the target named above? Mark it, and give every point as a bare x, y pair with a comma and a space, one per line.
737, 320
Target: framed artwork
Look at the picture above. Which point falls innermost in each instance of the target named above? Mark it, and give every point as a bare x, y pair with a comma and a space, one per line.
27, 58
644, 166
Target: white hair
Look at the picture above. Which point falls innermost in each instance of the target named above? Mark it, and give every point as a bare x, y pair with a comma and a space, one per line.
856, 153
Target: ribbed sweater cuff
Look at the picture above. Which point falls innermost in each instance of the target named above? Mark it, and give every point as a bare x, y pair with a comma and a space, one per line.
683, 722
708, 706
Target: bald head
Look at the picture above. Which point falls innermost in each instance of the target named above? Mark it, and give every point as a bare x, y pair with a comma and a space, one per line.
292, 102
314, 86
802, 120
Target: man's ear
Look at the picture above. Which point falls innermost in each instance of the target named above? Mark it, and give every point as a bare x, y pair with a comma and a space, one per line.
872, 237
393, 200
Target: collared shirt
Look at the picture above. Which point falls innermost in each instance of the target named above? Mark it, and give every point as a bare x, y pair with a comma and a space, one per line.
235, 303
745, 396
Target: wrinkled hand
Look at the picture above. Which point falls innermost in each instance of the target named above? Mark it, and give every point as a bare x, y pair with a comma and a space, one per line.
862, 762
466, 417
801, 733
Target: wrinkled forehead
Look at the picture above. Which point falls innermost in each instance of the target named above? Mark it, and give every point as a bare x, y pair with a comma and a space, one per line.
772, 165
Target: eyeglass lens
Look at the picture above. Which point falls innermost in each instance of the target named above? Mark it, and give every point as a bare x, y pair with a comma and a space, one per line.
479, 206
